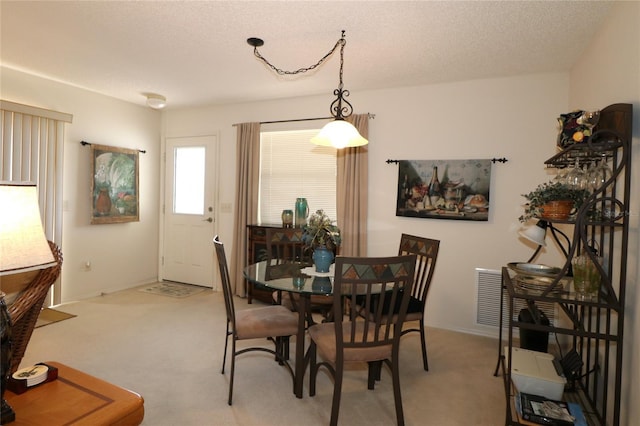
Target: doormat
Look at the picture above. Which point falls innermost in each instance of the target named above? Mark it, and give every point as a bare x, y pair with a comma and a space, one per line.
49, 316
173, 289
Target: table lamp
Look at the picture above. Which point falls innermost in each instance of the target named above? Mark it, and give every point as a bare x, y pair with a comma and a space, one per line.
23, 250
538, 233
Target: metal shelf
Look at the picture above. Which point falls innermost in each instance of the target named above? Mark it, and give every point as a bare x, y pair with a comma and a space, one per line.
595, 327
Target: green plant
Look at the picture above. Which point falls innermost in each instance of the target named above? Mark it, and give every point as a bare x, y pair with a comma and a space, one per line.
551, 191
320, 231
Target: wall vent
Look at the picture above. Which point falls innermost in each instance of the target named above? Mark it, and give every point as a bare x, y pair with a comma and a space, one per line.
488, 282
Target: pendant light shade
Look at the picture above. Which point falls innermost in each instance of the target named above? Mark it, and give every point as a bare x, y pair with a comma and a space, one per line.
339, 134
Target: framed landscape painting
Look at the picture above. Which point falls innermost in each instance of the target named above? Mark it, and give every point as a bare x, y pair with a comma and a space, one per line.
114, 185
444, 189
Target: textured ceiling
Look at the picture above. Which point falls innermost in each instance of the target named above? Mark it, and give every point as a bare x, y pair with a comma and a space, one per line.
195, 52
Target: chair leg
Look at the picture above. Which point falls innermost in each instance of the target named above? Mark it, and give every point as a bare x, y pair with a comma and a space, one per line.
233, 368
313, 369
279, 343
371, 379
337, 392
226, 343
375, 368
286, 348
424, 346
396, 388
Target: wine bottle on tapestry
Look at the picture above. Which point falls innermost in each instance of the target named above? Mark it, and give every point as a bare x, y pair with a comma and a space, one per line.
435, 192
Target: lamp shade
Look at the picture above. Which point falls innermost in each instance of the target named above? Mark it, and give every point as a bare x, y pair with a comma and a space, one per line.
339, 134
536, 233
23, 245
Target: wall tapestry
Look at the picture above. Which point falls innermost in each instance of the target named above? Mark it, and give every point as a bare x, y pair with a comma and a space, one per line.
444, 189
114, 185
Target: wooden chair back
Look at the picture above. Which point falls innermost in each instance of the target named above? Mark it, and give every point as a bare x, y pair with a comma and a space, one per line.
226, 282
285, 245
426, 251
379, 285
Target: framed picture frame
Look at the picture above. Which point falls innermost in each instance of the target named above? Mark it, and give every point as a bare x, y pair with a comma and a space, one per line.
114, 185
444, 189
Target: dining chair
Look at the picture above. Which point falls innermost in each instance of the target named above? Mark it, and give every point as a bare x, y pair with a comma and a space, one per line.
378, 284
285, 246
426, 251
275, 323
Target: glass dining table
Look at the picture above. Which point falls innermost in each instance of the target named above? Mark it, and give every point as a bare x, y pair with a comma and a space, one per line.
300, 279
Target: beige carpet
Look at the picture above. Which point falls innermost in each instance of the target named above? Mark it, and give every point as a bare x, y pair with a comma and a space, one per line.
49, 316
173, 289
170, 351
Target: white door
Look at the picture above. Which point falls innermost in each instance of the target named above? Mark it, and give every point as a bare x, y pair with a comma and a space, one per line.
189, 210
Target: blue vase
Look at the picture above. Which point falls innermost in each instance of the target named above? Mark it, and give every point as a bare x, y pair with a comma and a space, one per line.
322, 258
321, 284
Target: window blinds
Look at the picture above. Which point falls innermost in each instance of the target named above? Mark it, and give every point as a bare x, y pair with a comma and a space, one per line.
292, 167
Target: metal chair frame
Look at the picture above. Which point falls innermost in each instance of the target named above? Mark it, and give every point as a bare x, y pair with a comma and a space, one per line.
267, 314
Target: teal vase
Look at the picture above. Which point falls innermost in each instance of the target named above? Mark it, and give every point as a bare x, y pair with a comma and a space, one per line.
301, 212
322, 258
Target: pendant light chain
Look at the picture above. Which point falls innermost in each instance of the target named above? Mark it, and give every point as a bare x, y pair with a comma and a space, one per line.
338, 133
280, 71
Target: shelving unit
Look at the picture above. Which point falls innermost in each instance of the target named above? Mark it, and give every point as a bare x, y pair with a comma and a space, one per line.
595, 327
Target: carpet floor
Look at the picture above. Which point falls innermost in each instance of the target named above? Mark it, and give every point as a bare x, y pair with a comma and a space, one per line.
170, 350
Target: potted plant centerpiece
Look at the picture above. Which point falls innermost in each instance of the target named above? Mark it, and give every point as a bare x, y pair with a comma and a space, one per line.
322, 237
553, 200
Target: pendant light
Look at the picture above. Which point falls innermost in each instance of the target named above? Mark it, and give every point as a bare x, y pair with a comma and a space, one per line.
338, 133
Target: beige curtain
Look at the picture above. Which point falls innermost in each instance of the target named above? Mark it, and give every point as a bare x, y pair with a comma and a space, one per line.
247, 185
351, 192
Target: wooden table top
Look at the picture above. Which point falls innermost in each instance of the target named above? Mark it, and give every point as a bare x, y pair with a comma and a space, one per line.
76, 398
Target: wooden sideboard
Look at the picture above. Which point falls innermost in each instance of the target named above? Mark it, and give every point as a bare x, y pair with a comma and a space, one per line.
76, 398
256, 252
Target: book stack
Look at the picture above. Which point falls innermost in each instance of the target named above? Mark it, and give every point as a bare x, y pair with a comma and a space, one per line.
540, 410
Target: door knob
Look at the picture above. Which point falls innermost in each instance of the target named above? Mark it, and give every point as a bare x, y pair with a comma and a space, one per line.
209, 219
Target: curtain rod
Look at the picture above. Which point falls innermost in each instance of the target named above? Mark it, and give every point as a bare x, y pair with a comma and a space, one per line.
493, 160
85, 143
370, 115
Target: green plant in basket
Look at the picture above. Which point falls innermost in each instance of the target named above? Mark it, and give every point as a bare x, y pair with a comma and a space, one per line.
548, 192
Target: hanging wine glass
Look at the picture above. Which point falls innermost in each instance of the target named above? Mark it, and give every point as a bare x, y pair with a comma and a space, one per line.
576, 177
598, 175
561, 175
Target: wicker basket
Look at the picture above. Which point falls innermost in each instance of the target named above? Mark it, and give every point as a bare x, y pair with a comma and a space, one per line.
25, 309
557, 210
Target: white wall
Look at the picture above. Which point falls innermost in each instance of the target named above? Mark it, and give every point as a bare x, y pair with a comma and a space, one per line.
509, 117
121, 255
609, 72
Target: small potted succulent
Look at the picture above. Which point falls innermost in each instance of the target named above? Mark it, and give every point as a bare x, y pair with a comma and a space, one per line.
322, 237
552, 200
